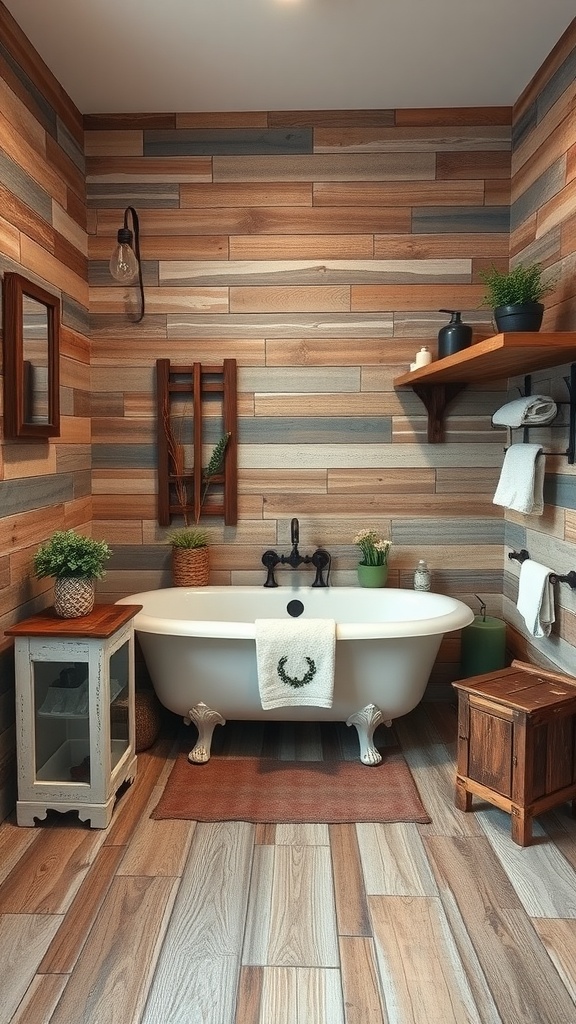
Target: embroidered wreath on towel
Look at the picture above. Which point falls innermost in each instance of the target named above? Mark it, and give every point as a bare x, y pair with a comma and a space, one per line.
293, 680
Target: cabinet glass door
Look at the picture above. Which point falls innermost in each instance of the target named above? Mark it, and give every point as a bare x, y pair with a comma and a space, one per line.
61, 720
119, 710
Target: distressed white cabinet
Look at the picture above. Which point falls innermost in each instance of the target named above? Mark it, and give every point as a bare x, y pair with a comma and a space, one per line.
74, 712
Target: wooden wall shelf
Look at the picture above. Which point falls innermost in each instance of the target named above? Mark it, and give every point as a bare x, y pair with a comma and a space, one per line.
503, 355
181, 491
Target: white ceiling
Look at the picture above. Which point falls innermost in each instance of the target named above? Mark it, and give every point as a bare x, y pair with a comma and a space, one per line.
184, 55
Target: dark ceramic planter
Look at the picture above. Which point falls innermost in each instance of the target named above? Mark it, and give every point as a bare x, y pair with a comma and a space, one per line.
519, 316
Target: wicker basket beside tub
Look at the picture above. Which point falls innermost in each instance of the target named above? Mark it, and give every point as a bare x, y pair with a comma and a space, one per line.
147, 717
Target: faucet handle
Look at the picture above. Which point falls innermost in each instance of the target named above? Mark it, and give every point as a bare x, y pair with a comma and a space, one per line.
321, 560
270, 560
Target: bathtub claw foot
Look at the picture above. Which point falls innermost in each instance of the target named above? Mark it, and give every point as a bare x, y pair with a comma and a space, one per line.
205, 719
366, 721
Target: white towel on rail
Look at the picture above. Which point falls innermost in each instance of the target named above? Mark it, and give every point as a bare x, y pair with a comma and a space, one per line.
536, 598
534, 410
295, 659
521, 483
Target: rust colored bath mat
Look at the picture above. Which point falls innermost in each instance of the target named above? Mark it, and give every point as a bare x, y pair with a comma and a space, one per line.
266, 789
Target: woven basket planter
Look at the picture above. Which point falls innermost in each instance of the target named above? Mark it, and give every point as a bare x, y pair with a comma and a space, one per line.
73, 597
190, 567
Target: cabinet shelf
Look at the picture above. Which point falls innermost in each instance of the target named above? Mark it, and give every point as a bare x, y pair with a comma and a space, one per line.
503, 355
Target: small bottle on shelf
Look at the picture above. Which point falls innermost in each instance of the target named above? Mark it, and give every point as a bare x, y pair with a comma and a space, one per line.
423, 357
422, 577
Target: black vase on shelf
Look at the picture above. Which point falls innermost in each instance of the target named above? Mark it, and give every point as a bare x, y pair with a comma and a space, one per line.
455, 336
519, 316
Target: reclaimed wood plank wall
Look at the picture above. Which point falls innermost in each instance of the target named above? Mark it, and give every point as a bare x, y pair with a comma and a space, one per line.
543, 228
315, 248
44, 486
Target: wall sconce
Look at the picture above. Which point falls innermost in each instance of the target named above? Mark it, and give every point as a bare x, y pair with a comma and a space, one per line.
125, 263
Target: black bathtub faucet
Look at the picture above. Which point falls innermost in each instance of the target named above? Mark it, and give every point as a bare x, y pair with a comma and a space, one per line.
320, 560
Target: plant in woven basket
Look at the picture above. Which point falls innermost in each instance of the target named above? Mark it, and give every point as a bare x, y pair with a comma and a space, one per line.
190, 558
188, 537
74, 561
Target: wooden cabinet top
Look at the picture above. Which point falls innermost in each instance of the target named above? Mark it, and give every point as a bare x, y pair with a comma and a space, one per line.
529, 692
102, 622
503, 355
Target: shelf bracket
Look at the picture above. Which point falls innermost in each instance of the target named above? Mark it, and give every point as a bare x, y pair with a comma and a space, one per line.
436, 398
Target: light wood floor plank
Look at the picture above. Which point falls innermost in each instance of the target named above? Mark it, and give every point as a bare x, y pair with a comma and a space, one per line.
560, 827
40, 1000
67, 944
110, 980
523, 982
302, 835
302, 914
435, 775
360, 987
539, 873
559, 938
47, 877
24, 938
349, 892
481, 993
197, 973
257, 930
301, 996
193, 990
158, 847
393, 860
421, 975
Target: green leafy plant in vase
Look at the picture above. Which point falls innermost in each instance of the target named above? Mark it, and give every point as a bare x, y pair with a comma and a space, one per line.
372, 568
75, 562
515, 296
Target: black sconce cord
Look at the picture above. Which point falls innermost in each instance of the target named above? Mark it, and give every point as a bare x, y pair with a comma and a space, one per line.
136, 228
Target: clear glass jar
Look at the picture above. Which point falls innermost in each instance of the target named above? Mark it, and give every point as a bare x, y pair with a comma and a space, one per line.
422, 576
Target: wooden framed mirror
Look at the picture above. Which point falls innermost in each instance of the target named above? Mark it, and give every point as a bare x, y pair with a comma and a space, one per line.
31, 332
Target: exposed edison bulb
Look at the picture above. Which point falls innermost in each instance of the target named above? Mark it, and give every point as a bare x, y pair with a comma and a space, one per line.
123, 263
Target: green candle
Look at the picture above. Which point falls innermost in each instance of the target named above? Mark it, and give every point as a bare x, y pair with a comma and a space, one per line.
483, 646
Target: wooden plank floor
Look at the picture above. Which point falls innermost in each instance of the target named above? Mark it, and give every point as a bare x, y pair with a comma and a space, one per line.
163, 922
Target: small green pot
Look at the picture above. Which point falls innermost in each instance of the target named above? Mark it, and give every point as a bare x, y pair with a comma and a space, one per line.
372, 575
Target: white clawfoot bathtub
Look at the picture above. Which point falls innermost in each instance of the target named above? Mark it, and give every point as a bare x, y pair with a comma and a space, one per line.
199, 647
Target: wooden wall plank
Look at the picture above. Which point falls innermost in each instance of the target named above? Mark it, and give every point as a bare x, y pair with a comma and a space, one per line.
340, 167
399, 193
140, 168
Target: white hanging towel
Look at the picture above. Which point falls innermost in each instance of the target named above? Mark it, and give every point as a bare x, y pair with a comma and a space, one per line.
536, 598
535, 410
521, 483
295, 659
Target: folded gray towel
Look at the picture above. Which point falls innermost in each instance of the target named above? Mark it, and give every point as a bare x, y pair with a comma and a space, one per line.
535, 410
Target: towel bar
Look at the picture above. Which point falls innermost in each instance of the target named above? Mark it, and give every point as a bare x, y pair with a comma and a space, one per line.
569, 578
570, 382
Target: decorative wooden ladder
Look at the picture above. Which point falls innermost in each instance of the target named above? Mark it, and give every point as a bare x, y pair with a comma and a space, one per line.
180, 490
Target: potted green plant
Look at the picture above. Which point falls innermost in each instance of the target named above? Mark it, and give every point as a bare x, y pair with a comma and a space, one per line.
75, 562
190, 557
515, 296
372, 568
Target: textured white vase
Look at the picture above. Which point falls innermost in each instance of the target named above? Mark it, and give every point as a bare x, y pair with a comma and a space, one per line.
73, 597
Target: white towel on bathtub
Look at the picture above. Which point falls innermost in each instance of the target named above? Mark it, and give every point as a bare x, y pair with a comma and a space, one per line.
295, 660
